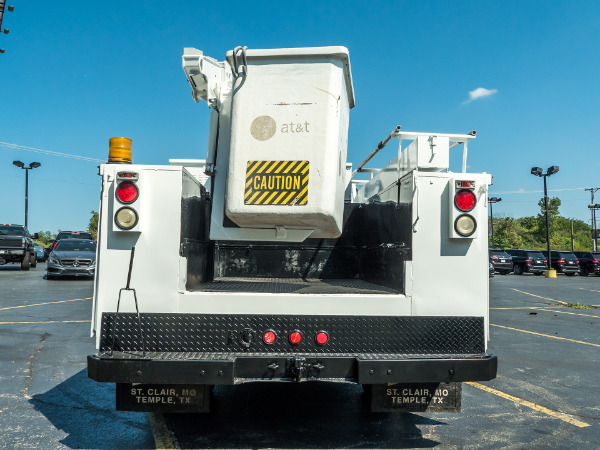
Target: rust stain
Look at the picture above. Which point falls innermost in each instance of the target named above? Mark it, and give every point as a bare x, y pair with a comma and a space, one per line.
327, 92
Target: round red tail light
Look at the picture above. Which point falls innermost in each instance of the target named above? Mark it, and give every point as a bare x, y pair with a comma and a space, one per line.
321, 338
269, 337
295, 337
465, 200
127, 192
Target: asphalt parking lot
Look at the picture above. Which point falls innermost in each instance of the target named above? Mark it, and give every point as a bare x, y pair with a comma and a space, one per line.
546, 393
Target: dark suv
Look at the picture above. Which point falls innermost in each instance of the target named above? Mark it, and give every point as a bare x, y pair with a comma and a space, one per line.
527, 261
589, 262
501, 261
564, 262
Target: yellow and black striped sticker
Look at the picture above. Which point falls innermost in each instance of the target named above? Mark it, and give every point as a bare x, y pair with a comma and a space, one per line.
276, 183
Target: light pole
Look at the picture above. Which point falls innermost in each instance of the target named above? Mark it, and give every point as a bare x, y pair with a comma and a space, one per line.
33, 165
493, 200
594, 207
537, 171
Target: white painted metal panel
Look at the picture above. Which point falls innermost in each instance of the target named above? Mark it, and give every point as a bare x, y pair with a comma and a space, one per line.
155, 275
449, 277
293, 304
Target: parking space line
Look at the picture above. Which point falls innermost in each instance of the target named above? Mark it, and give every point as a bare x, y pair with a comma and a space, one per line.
571, 313
163, 438
546, 335
47, 321
541, 308
559, 415
522, 307
47, 303
539, 296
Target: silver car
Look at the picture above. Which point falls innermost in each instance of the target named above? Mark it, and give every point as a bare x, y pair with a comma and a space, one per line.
72, 257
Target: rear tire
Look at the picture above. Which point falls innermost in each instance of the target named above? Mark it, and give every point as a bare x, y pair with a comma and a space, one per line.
518, 269
25, 263
584, 271
33, 261
570, 274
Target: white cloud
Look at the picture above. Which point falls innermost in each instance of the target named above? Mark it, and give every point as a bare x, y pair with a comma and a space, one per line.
480, 93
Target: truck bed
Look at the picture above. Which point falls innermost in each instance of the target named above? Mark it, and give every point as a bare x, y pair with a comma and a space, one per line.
293, 286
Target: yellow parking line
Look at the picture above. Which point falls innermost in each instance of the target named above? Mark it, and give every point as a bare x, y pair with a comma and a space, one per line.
571, 313
546, 335
48, 321
47, 303
559, 415
522, 307
539, 296
541, 308
163, 439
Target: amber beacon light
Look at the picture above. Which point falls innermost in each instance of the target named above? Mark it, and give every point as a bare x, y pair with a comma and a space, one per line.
119, 150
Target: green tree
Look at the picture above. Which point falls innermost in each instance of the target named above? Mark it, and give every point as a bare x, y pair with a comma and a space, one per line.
530, 232
45, 238
93, 225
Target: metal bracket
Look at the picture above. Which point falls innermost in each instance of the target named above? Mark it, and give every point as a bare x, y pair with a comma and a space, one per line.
137, 310
296, 366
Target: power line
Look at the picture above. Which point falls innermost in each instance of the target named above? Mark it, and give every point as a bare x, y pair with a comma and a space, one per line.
49, 152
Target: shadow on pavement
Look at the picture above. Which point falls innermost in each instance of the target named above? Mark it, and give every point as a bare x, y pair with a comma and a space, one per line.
305, 415
85, 410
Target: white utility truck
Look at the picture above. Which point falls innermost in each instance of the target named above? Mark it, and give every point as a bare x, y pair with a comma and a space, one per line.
269, 262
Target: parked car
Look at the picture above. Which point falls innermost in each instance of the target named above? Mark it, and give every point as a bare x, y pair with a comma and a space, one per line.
589, 262
532, 261
68, 235
39, 252
16, 246
72, 257
501, 261
564, 262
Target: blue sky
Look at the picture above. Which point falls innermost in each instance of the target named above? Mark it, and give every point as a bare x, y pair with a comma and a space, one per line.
77, 73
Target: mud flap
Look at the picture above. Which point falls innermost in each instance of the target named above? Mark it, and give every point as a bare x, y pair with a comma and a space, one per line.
416, 397
168, 398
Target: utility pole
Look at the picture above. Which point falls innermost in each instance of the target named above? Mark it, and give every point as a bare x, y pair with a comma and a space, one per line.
572, 246
593, 211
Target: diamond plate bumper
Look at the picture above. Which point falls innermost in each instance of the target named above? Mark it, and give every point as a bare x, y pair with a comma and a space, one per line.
232, 368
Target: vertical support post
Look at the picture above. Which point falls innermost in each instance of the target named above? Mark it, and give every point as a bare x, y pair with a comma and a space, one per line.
26, 194
464, 163
492, 222
547, 222
572, 246
594, 242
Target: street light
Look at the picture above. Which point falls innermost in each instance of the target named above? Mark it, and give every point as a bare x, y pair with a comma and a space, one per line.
21, 165
537, 171
493, 200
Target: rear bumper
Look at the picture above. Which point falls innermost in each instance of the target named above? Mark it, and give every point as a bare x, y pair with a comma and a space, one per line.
501, 267
535, 269
567, 269
230, 368
12, 255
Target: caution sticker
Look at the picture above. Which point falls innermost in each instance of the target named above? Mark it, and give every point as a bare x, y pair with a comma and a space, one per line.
276, 183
